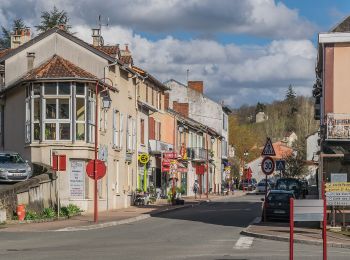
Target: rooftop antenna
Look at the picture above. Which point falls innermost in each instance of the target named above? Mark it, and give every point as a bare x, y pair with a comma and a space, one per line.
100, 24
188, 72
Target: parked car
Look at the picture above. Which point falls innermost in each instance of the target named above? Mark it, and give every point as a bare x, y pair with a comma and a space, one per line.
13, 167
261, 186
289, 184
304, 188
277, 204
248, 184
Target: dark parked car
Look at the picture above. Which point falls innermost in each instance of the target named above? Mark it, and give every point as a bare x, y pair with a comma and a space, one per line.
290, 184
277, 204
304, 188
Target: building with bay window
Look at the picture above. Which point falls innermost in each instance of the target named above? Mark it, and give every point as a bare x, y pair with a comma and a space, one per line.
48, 106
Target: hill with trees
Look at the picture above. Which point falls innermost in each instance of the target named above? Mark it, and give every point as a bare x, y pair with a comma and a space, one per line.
293, 114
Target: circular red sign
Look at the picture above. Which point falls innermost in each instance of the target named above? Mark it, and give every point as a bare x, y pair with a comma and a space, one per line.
100, 169
268, 165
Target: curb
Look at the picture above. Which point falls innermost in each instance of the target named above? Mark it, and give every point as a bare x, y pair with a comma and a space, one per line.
286, 239
121, 222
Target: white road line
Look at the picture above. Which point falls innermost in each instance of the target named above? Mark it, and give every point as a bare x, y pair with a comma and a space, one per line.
244, 242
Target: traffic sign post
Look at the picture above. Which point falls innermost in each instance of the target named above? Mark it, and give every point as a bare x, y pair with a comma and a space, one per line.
268, 149
268, 167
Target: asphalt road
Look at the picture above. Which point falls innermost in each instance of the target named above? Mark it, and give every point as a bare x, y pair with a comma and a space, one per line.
209, 231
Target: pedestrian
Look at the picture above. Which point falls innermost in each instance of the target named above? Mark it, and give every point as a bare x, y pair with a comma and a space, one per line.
195, 188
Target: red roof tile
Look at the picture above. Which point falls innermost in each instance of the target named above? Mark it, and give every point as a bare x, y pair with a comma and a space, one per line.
57, 67
4, 52
112, 51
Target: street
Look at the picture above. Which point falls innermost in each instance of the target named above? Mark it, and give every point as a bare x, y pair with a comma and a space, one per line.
209, 231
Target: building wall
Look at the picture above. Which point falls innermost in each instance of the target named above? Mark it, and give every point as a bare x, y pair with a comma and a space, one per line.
16, 66
341, 78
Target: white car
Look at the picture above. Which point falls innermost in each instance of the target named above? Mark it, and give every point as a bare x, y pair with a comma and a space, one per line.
260, 188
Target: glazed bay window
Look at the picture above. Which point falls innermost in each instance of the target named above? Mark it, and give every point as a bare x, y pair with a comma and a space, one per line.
57, 117
60, 111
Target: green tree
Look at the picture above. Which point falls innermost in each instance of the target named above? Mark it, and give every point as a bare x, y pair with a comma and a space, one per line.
292, 109
5, 40
295, 163
53, 18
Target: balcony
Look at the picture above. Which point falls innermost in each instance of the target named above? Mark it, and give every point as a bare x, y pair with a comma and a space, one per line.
157, 147
198, 154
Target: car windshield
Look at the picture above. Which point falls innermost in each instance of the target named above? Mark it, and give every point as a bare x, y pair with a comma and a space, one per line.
10, 158
261, 184
278, 197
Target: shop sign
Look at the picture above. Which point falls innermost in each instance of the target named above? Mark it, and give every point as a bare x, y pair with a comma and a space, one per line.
338, 187
338, 126
339, 177
170, 155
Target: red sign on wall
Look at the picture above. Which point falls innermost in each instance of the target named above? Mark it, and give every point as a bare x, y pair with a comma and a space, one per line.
59, 162
170, 155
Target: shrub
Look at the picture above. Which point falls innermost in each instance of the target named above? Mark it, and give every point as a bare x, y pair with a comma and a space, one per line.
31, 215
70, 210
49, 213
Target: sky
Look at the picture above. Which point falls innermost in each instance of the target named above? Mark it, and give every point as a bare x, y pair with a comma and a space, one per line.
245, 51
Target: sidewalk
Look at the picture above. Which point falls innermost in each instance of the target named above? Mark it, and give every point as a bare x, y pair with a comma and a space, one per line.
303, 233
109, 218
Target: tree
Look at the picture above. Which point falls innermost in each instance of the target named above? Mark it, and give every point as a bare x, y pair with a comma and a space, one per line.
53, 18
295, 162
292, 109
5, 40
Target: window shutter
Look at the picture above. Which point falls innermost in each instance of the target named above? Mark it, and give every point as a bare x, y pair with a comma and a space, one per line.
160, 130
142, 130
151, 127
114, 128
133, 134
121, 119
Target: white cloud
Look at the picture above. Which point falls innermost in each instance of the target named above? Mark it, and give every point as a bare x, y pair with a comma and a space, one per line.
263, 18
234, 73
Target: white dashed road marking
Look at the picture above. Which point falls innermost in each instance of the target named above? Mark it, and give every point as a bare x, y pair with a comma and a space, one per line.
243, 243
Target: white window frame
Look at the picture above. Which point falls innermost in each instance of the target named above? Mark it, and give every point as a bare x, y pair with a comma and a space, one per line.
57, 120
129, 130
116, 129
90, 120
76, 122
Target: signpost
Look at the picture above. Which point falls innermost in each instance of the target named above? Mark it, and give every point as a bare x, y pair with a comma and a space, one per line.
281, 166
144, 159
307, 210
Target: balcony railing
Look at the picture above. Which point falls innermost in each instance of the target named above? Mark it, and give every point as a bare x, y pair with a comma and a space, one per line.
197, 154
156, 146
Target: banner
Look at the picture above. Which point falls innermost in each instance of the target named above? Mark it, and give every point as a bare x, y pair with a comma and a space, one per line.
338, 126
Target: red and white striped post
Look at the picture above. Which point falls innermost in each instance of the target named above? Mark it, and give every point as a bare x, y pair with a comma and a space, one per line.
324, 226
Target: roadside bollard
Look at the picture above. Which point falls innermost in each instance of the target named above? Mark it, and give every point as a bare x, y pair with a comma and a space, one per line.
21, 212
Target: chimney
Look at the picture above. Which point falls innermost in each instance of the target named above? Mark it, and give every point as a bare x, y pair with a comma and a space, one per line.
30, 60
125, 56
96, 37
62, 27
181, 108
196, 85
19, 37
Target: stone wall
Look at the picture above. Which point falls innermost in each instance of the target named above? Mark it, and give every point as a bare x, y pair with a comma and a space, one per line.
37, 193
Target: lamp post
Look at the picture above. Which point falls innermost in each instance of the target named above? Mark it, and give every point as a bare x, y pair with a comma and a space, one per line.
245, 155
106, 104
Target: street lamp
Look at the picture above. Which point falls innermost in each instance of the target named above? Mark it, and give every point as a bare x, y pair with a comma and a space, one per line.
106, 101
245, 155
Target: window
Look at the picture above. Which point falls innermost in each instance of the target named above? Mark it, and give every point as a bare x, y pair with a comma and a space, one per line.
147, 93
142, 131
129, 133
152, 93
91, 115
61, 111
157, 130
116, 129
80, 112
225, 122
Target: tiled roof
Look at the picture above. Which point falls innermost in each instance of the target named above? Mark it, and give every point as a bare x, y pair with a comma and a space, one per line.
281, 150
112, 51
126, 59
57, 67
3, 52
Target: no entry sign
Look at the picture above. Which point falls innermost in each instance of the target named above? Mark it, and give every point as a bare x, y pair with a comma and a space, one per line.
268, 165
100, 169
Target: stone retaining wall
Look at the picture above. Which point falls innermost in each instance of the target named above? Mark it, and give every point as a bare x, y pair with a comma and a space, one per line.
37, 193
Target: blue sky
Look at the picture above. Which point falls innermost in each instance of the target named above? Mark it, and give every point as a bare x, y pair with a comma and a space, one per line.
244, 51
